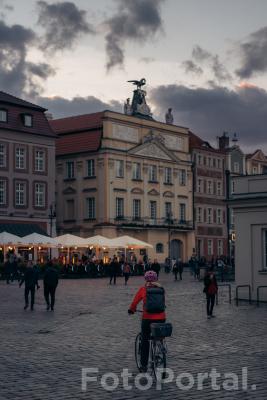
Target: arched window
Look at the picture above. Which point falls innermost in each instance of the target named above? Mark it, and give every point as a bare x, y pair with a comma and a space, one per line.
159, 248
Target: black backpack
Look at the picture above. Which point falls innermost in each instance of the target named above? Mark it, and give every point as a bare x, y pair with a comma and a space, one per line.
155, 300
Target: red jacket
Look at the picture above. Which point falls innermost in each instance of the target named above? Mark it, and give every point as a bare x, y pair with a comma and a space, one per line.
141, 296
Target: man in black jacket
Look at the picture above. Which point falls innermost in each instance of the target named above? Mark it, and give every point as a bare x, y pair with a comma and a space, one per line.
50, 285
30, 278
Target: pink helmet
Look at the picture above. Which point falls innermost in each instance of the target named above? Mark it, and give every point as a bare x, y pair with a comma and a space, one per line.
151, 276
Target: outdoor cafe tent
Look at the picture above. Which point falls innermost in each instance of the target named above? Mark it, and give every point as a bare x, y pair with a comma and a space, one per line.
129, 242
69, 240
99, 241
9, 239
35, 239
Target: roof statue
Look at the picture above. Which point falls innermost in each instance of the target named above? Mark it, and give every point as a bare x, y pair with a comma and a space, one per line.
169, 116
138, 107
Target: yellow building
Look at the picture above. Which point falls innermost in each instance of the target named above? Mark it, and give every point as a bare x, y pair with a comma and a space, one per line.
118, 174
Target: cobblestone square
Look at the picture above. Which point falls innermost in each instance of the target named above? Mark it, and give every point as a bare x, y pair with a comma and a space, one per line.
42, 353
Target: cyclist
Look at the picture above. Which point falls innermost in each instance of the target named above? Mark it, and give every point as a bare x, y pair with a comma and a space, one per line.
158, 315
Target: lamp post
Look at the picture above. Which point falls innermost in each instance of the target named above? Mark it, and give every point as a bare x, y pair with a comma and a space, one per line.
51, 216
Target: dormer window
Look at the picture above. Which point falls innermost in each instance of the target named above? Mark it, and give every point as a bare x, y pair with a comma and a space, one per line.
3, 115
27, 120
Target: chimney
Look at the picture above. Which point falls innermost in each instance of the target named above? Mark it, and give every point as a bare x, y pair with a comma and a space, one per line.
224, 141
48, 115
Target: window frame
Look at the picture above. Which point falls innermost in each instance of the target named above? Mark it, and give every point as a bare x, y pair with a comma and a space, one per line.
136, 209
68, 164
5, 191
136, 172
4, 110
24, 119
152, 173
182, 177
119, 168
90, 208
154, 203
119, 204
90, 164
168, 178
44, 203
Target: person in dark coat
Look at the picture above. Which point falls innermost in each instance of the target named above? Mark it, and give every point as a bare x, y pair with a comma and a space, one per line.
30, 278
114, 268
210, 289
155, 267
175, 270
180, 269
50, 285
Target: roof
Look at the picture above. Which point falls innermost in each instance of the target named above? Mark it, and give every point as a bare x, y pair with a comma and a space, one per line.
77, 123
79, 142
195, 142
21, 229
8, 98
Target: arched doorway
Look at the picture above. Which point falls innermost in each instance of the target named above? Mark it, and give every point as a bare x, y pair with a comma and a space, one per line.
176, 250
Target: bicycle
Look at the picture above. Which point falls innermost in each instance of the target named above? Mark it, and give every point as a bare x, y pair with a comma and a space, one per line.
157, 349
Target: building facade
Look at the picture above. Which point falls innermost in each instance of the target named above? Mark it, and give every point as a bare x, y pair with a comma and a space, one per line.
120, 174
209, 199
27, 167
249, 202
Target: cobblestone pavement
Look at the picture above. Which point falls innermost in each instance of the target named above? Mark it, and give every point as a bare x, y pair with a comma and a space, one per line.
42, 353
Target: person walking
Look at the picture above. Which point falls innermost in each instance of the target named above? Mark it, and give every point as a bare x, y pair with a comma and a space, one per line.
50, 285
30, 278
175, 270
114, 269
155, 267
210, 289
126, 272
180, 269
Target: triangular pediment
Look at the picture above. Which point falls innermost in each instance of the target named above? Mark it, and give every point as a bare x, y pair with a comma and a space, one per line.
153, 149
258, 156
153, 192
69, 190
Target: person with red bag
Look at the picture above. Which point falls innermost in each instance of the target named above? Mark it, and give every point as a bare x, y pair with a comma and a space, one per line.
210, 289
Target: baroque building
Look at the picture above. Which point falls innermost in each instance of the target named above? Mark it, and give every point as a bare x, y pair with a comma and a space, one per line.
125, 174
27, 167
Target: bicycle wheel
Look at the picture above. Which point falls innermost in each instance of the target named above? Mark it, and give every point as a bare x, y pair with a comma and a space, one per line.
158, 358
138, 351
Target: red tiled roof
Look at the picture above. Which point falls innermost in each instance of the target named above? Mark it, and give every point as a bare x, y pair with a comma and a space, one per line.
79, 142
77, 123
195, 142
16, 108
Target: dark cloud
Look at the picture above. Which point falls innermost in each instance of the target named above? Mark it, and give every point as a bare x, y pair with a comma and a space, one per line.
202, 56
191, 67
136, 20
61, 107
17, 75
253, 54
63, 23
210, 111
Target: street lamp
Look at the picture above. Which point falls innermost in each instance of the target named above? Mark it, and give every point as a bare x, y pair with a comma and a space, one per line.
51, 216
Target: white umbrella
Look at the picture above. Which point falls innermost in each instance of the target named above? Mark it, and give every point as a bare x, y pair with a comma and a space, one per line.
9, 238
128, 241
69, 240
99, 241
36, 239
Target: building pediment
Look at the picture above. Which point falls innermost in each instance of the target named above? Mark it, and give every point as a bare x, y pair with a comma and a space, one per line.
153, 149
153, 192
258, 156
137, 191
69, 190
168, 194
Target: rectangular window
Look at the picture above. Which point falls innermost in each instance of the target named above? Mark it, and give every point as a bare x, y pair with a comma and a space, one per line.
91, 168
265, 248
70, 169
168, 175
219, 216
209, 216
3, 192
27, 120
20, 194
119, 169
219, 188
20, 157
152, 171
39, 162
219, 247
209, 187
119, 207
3, 154
219, 163
91, 208
168, 210
3, 115
153, 209
210, 162
210, 247
70, 209
236, 168
136, 209
39, 195
137, 171
199, 185
183, 177
254, 170
182, 212
199, 214
199, 159
233, 186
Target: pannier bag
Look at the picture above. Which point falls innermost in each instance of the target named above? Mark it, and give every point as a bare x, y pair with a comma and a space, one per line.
159, 330
155, 300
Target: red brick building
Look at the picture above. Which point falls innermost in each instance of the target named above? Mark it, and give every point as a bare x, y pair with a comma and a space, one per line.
27, 167
209, 199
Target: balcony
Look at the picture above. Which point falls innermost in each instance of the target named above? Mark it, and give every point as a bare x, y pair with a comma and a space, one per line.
150, 223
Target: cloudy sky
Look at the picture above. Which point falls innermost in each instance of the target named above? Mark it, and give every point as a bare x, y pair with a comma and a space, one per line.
207, 59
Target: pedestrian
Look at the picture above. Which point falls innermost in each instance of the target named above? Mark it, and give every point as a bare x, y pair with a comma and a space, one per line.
126, 272
197, 271
211, 290
30, 278
50, 285
114, 269
175, 270
155, 267
180, 269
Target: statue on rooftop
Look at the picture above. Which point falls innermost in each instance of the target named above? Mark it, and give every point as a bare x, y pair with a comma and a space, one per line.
169, 116
139, 106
